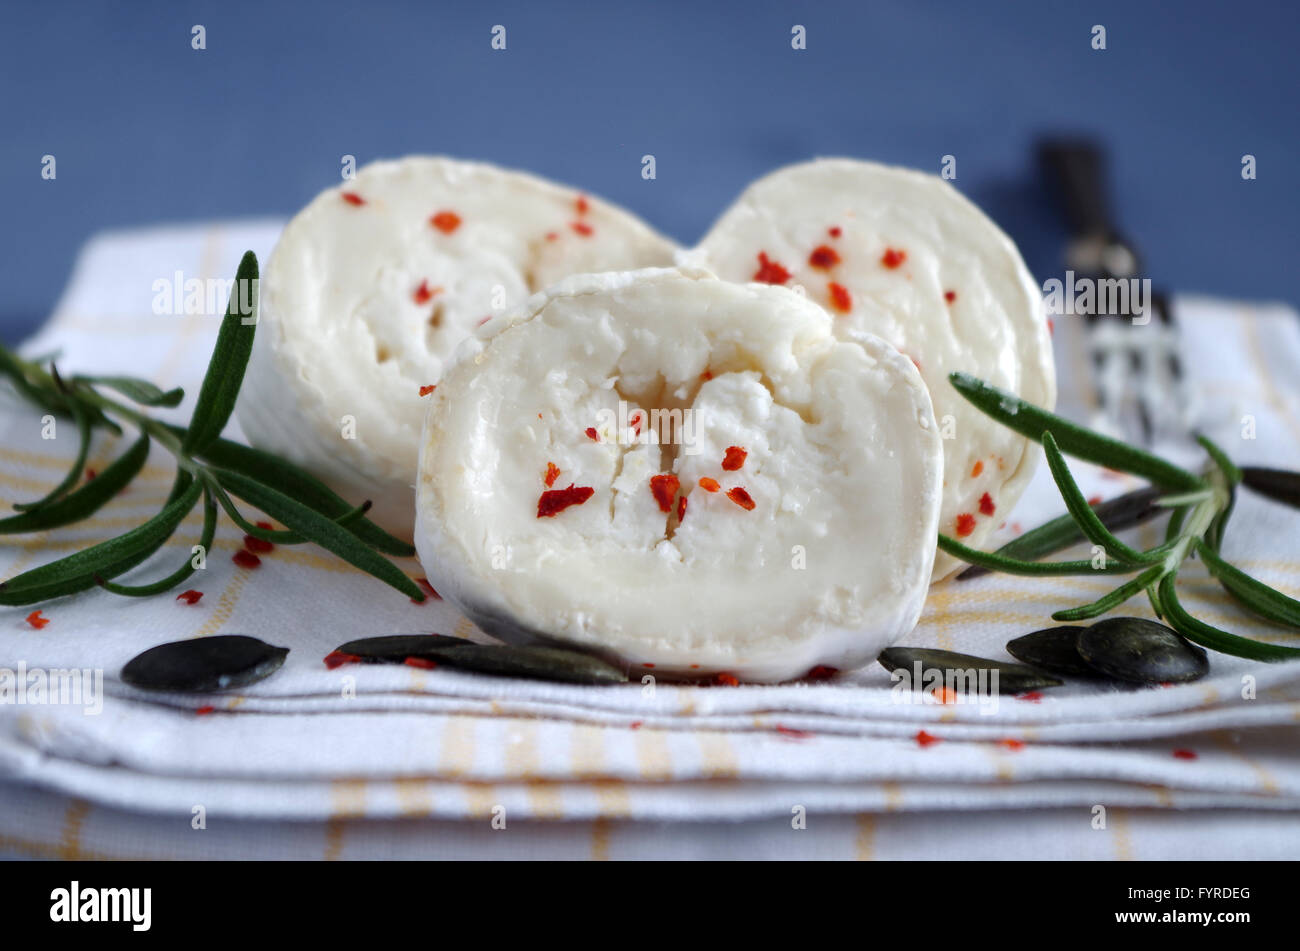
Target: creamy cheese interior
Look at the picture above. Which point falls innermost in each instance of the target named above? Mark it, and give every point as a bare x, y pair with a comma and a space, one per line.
903, 255
373, 285
841, 465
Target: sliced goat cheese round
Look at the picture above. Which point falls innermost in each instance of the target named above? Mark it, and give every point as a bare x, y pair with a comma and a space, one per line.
372, 286
685, 474
903, 255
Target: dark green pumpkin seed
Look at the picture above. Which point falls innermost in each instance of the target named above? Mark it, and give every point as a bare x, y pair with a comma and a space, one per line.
205, 664
534, 663
395, 648
1280, 485
1054, 649
1141, 651
1012, 678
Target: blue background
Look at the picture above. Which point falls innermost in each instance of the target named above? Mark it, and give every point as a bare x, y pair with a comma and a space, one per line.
145, 129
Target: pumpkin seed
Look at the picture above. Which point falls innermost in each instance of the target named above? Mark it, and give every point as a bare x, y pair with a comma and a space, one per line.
1277, 484
1012, 678
533, 663
1141, 651
204, 664
395, 648
1054, 649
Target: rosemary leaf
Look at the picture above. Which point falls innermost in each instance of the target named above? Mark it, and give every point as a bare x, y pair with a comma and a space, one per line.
1209, 636
1112, 599
279, 536
80, 570
180, 574
1123, 511
225, 372
1264, 600
1032, 421
1012, 566
318, 528
86, 500
136, 390
1078, 506
287, 478
1220, 459
73, 476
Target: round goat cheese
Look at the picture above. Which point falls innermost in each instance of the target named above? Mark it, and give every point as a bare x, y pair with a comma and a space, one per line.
903, 255
688, 475
373, 285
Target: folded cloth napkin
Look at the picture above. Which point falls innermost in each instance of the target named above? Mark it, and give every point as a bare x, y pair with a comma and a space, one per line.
366, 742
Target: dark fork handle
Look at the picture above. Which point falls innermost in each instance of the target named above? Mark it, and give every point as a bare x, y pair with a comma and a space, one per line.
1076, 169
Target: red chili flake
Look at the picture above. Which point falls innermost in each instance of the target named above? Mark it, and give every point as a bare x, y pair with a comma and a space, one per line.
976, 469
1011, 744
726, 680
552, 236
695, 666
428, 388
734, 459
266, 525
445, 221
554, 501
245, 559
352, 198
190, 597
792, 732
255, 544
986, 504
709, 485
822, 672
892, 258
592, 434
741, 498
582, 228
424, 293
420, 662
552, 473
427, 589
90, 474
663, 488
1184, 754
1032, 696
635, 724
1051, 327
834, 231
945, 695
36, 620
950, 296
635, 422
769, 272
706, 375
204, 711
581, 204
924, 739
336, 659
681, 509
824, 257
1094, 500
965, 524
483, 320
841, 300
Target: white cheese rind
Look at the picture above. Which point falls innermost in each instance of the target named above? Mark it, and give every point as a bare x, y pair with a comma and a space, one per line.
344, 344
994, 326
844, 466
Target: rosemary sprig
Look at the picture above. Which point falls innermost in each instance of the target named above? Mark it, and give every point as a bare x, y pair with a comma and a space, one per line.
208, 468
1200, 506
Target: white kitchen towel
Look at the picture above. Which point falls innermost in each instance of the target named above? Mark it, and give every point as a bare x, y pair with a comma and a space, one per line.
313, 743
